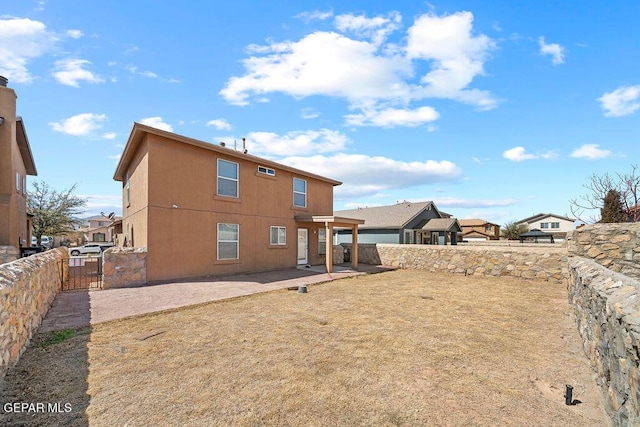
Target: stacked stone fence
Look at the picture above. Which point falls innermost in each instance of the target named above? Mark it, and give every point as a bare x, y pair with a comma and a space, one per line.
124, 267
615, 246
528, 261
604, 290
27, 289
607, 308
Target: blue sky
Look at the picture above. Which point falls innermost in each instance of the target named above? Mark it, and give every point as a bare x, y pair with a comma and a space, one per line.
494, 110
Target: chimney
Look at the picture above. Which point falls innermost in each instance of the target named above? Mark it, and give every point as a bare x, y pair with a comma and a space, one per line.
3, 81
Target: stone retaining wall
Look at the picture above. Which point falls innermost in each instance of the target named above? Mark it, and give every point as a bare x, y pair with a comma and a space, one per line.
526, 261
27, 288
607, 308
8, 254
124, 267
615, 246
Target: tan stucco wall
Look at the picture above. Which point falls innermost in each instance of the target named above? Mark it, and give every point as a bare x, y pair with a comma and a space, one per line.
13, 209
182, 240
135, 213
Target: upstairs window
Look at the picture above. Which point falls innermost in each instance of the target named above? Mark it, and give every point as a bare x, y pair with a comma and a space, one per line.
278, 235
127, 190
267, 171
555, 225
18, 182
227, 178
544, 225
24, 184
299, 192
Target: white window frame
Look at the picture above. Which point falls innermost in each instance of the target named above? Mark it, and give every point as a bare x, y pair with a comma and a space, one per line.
555, 225
236, 241
127, 189
544, 225
300, 192
18, 182
24, 184
236, 180
267, 171
278, 235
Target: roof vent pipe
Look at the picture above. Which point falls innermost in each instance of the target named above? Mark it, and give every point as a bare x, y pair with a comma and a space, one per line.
244, 147
3, 81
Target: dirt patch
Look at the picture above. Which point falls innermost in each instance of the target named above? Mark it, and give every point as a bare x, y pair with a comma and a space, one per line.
398, 348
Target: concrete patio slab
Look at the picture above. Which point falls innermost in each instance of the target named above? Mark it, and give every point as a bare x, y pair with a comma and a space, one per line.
88, 307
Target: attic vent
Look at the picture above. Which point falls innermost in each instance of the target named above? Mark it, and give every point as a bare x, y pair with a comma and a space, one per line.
266, 170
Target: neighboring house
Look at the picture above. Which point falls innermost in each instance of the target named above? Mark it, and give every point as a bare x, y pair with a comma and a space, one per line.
16, 162
557, 225
633, 213
405, 222
202, 209
478, 229
98, 229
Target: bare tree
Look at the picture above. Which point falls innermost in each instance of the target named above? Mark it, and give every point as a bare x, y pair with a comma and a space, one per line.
627, 184
54, 212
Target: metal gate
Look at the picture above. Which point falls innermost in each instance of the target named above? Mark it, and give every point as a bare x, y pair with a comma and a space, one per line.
81, 272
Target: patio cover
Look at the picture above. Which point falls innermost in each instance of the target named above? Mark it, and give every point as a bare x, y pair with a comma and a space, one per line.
331, 221
536, 234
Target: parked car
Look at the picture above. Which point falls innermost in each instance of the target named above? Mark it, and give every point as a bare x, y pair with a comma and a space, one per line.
90, 248
46, 242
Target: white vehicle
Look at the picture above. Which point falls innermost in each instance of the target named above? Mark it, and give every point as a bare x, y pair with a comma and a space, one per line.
89, 248
44, 240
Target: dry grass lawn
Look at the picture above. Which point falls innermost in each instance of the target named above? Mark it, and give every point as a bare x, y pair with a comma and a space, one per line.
399, 348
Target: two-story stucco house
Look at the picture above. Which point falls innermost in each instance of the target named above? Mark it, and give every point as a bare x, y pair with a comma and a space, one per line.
203, 209
556, 225
16, 162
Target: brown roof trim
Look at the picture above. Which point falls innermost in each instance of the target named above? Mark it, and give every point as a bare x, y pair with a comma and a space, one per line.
138, 131
25, 148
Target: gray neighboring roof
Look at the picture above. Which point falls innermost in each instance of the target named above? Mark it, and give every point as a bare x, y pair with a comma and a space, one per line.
543, 215
442, 224
392, 216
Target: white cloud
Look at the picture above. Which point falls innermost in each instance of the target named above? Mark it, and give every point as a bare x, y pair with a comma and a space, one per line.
98, 203
314, 15
366, 175
80, 124
453, 202
621, 102
157, 123
134, 70
518, 154
377, 29
21, 40
71, 71
553, 49
110, 135
591, 152
220, 124
75, 34
299, 142
309, 113
390, 117
367, 71
457, 56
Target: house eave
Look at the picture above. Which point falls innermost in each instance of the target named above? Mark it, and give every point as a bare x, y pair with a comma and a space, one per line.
139, 130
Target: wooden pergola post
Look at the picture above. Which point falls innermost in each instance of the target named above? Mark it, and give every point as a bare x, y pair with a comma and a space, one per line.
354, 247
329, 246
